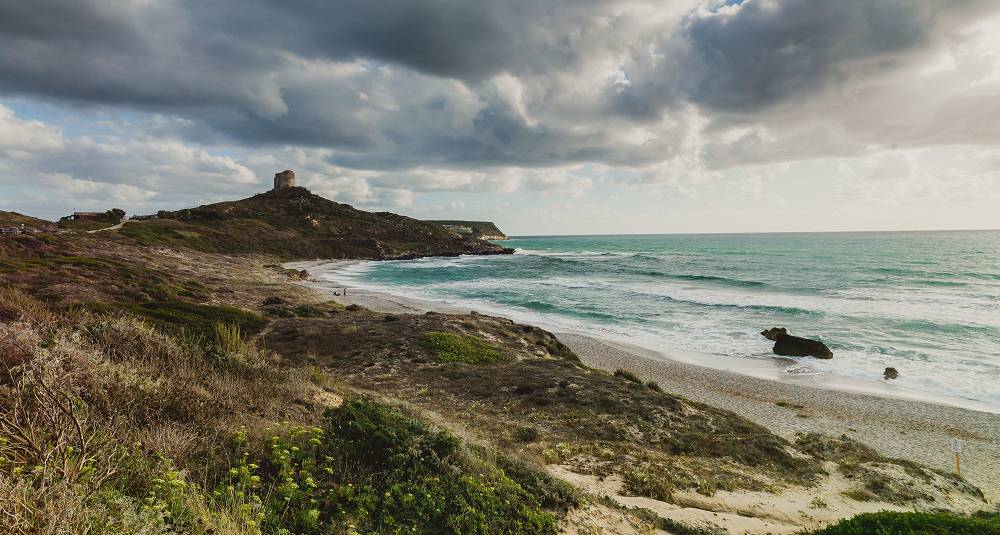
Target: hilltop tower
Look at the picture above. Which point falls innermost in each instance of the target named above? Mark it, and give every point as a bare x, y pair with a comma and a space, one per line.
284, 179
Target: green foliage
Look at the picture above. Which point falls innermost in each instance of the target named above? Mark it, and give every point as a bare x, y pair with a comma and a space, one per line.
373, 470
198, 321
644, 481
654, 386
229, 339
553, 493
885, 523
672, 526
627, 375
450, 347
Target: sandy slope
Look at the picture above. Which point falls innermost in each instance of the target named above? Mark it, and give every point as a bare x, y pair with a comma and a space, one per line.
895, 427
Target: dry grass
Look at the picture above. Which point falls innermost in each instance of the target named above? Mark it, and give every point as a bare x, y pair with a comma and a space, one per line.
86, 399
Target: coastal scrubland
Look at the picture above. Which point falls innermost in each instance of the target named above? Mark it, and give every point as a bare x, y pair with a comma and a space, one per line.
157, 382
14, 219
294, 223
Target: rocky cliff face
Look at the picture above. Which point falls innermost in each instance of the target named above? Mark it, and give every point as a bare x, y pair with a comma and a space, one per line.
294, 223
483, 230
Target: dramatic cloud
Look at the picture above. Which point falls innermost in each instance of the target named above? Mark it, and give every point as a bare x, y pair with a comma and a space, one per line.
378, 102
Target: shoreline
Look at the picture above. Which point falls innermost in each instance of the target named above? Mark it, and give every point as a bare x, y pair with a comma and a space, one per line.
385, 300
897, 426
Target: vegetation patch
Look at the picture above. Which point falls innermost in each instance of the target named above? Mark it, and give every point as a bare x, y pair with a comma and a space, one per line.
374, 470
165, 234
199, 321
915, 524
875, 473
451, 347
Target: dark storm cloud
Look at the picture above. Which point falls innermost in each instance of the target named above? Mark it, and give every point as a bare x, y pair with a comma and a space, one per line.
443, 37
398, 84
744, 56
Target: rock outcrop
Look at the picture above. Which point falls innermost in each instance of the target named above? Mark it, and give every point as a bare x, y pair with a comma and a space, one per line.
890, 373
482, 230
795, 346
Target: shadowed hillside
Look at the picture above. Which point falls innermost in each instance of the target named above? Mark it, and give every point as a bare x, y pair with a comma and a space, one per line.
293, 223
14, 219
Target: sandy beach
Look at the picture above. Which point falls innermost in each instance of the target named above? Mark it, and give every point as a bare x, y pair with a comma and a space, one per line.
896, 427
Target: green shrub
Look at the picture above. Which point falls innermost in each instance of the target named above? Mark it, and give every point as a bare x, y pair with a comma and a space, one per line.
654, 386
551, 492
374, 470
450, 347
229, 339
647, 482
674, 527
627, 375
915, 524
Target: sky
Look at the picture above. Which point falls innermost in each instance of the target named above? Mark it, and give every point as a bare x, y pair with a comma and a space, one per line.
544, 116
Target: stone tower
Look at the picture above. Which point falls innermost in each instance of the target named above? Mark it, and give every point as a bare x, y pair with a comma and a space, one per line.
284, 179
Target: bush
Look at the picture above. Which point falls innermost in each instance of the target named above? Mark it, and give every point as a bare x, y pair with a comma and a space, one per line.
374, 469
915, 524
627, 375
450, 347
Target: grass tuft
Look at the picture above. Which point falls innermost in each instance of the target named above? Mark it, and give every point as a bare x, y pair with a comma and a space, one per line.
628, 375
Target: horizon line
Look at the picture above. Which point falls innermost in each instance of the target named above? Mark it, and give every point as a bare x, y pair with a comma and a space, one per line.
896, 231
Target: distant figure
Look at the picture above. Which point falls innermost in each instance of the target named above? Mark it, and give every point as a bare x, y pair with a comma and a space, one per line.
345, 291
795, 346
284, 179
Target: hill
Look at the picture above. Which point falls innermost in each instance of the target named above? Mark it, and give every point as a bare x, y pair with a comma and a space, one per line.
294, 223
14, 219
483, 230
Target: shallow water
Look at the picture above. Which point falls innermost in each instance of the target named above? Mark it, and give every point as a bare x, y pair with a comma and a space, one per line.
926, 303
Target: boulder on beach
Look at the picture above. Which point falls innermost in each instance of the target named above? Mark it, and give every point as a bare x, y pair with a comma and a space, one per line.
296, 274
890, 373
796, 346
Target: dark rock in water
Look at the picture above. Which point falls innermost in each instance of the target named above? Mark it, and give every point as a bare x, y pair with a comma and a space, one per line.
890, 373
795, 346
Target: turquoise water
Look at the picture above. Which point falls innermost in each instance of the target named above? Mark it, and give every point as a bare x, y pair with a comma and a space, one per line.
926, 303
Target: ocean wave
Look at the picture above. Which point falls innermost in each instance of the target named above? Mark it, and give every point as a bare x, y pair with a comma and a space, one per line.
565, 254
949, 284
575, 311
705, 278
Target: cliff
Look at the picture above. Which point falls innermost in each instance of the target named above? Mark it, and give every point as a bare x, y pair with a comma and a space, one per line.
294, 223
483, 230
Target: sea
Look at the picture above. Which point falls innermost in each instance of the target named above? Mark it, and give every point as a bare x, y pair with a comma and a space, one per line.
925, 303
